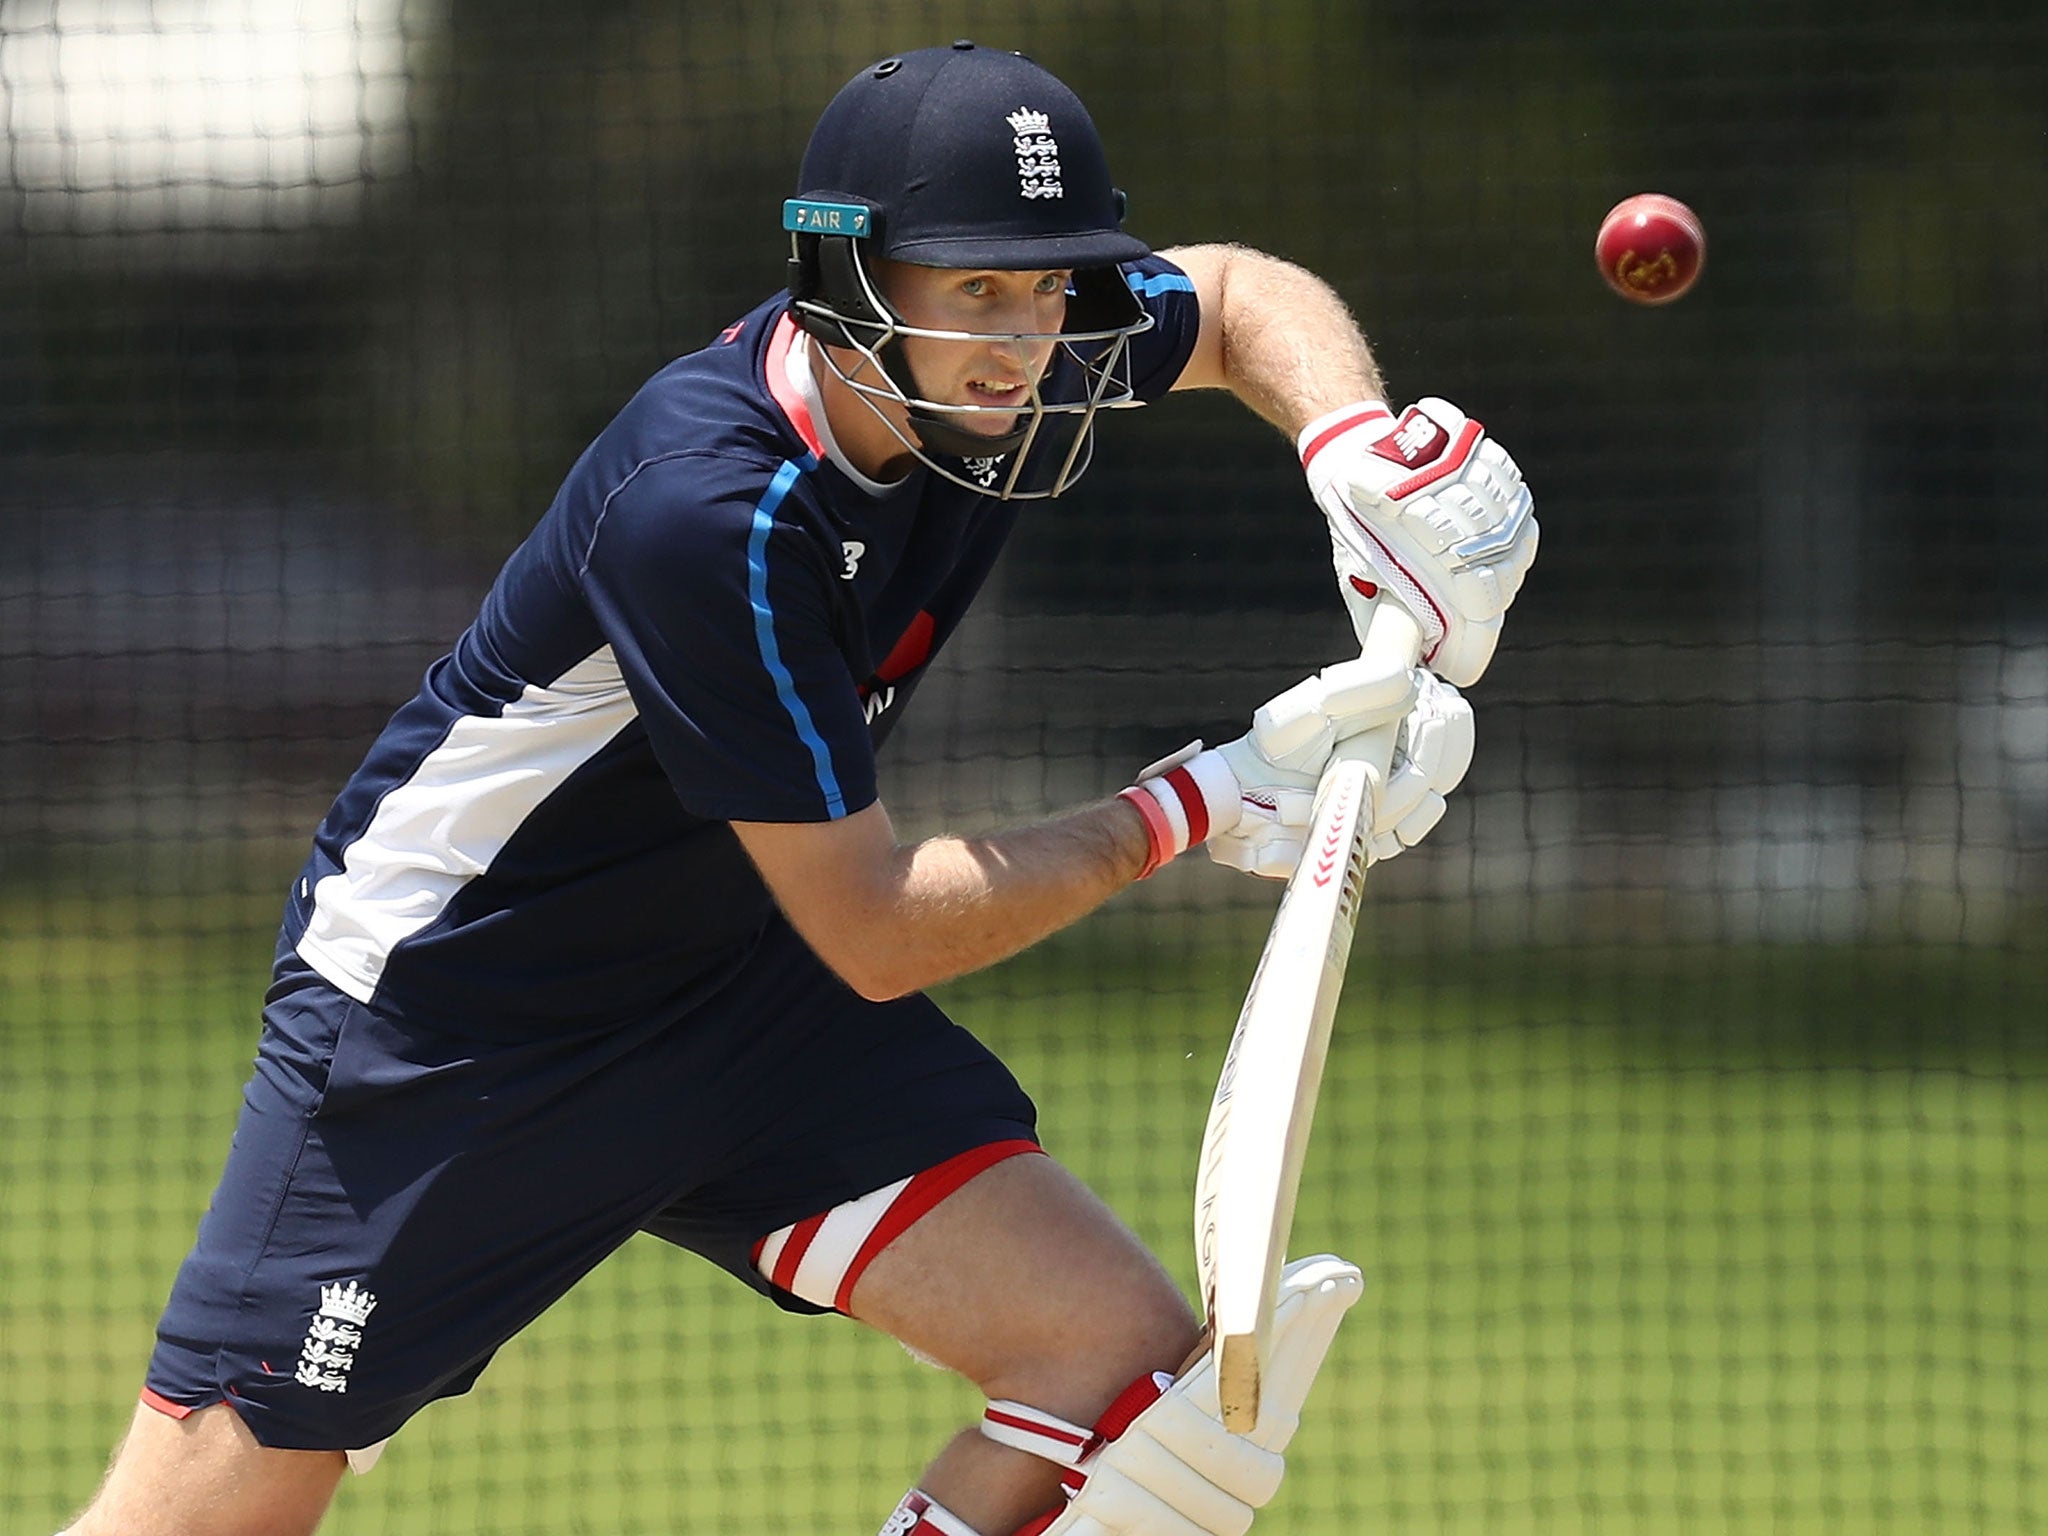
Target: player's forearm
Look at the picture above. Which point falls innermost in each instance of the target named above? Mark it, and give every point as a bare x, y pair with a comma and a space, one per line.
958, 904
1282, 341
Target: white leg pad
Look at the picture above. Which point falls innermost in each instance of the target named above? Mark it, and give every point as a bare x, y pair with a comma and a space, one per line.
1175, 1470
1024, 1428
1110, 1504
1176, 1437
1315, 1293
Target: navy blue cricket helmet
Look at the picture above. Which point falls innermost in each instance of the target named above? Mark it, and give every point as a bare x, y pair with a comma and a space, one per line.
976, 158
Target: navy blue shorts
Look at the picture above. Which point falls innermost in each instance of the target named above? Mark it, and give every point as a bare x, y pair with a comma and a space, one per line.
397, 1202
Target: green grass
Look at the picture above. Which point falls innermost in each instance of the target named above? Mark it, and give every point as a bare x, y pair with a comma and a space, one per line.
1687, 1241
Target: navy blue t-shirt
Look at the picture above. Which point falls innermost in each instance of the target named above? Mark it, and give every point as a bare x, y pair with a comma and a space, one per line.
712, 623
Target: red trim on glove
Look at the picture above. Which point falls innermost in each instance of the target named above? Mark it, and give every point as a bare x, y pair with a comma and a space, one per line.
1192, 805
1338, 428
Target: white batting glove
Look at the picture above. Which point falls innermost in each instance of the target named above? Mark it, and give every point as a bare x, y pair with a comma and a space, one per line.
1251, 799
1431, 757
1431, 508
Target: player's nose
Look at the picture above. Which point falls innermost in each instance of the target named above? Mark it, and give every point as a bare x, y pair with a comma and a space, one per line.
1008, 352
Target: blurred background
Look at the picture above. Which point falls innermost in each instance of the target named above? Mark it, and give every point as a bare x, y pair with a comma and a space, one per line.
1686, 1105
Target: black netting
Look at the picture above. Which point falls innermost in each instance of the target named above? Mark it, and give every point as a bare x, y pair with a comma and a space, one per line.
1684, 1108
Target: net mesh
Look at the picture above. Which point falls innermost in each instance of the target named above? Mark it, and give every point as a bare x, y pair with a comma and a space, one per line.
1684, 1105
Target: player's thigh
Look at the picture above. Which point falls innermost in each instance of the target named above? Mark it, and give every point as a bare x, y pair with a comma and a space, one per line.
1024, 1282
206, 1475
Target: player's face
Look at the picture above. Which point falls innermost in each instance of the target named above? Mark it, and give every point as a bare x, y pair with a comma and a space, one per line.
996, 374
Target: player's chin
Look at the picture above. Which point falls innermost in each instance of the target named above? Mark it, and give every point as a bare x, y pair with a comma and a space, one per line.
990, 423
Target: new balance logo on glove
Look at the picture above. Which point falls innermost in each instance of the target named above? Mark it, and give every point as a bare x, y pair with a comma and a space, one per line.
1418, 440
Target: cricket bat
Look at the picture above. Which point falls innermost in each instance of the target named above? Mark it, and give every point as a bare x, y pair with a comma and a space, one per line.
1265, 1102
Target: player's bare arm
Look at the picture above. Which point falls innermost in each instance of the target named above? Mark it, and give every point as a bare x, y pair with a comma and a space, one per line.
1421, 501
1275, 335
896, 918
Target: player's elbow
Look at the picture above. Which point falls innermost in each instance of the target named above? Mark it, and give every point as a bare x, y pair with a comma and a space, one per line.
884, 990
842, 885
866, 928
862, 958
879, 979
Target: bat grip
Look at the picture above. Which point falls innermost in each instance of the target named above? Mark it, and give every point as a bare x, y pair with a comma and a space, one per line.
1394, 639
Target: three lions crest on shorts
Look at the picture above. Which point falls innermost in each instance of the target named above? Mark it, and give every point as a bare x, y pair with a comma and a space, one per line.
329, 1353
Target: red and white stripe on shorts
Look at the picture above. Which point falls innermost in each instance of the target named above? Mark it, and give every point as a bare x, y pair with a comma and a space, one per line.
822, 1257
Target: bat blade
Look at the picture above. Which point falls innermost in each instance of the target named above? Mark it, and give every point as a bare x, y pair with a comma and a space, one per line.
1264, 1106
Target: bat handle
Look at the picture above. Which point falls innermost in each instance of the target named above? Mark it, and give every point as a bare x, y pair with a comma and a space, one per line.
1392, 635
1394, 639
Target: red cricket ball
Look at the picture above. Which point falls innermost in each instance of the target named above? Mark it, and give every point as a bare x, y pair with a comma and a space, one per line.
1651, 248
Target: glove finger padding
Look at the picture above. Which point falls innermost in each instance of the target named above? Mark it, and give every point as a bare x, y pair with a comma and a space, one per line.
1431, 758
1438, 737
1432, 754
1360, 694
1296, 729
1429, 507
1267, 843
1290, 730
1407, 832
1273, 858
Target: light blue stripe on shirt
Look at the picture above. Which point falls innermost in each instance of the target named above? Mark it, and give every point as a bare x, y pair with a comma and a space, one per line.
764, 635
1158, 283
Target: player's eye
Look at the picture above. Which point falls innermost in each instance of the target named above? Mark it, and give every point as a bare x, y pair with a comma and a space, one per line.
1053, 282
974, 287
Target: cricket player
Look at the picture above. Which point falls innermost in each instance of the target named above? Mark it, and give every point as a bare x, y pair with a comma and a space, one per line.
610, 932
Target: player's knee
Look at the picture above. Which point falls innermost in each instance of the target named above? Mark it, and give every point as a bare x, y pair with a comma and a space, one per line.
1085, 1359
1122, 1318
